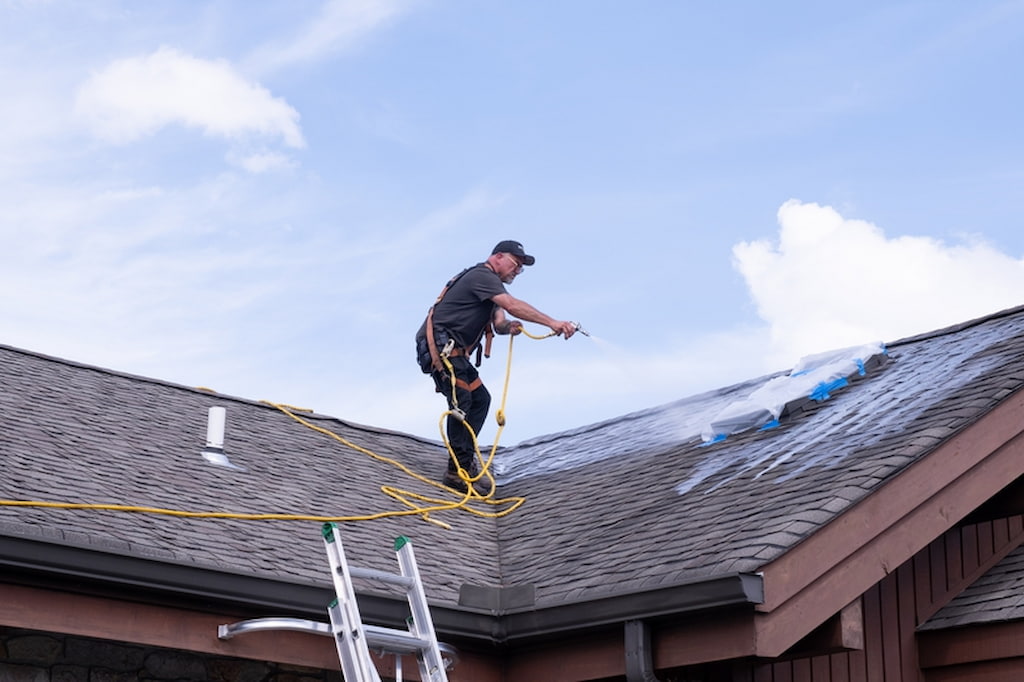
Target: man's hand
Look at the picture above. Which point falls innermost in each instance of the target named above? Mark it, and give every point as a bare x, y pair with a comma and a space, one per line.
566, 329
514, 327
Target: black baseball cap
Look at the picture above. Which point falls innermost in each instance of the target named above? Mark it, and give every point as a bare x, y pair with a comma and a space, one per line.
516, 249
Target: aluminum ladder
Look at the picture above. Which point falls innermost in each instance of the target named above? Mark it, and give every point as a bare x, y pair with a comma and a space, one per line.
353, 638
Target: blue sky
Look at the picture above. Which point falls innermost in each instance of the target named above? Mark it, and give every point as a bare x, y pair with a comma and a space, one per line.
264, 198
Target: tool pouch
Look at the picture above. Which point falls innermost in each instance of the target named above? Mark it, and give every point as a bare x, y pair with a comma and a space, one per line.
442, 382
423, 350
423, 355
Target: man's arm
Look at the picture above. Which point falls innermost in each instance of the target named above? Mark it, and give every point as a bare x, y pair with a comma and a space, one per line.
523, 310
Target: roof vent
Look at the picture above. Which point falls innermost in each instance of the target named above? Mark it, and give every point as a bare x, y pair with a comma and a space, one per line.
214, 450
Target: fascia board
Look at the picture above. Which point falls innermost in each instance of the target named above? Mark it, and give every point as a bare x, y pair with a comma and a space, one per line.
843, 559
60, 565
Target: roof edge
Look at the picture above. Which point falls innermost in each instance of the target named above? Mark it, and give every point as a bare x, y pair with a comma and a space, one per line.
43, 562
735, 590
959, 327
306, 413
47, 564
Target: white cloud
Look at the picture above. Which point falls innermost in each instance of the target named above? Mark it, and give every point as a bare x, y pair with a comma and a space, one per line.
340, 25
137, 278
262, 162
829, 282
137, 96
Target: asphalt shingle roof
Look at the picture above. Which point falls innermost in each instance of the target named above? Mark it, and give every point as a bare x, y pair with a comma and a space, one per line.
997, 596
79, 434
630, 504
644, 505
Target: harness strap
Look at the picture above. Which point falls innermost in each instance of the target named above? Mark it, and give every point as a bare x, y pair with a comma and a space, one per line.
435, 355
462, 383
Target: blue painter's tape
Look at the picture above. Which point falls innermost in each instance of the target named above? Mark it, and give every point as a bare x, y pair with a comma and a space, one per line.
822, 391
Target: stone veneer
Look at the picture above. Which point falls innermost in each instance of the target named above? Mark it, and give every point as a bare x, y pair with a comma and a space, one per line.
29, 656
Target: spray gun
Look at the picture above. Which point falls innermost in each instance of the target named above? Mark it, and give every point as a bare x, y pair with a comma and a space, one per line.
580, 329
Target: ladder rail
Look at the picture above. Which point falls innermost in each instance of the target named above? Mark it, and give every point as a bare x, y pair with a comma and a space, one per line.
352, 637
431, 664
346, 623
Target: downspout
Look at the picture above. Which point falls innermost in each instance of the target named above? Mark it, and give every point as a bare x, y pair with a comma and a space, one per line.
639, 662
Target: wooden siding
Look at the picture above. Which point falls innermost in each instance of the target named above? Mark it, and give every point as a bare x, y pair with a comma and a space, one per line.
893, 608
974, 654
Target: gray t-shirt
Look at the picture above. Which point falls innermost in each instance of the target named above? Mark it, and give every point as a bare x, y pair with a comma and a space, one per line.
467, 307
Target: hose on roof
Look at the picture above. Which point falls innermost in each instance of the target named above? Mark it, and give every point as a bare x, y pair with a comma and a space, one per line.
417, 504
499, 416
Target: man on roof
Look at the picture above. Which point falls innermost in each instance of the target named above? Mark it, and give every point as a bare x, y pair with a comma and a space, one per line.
472, 306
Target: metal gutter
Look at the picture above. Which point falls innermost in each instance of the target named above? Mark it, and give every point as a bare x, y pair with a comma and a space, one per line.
45, 563
68, 567
740, 589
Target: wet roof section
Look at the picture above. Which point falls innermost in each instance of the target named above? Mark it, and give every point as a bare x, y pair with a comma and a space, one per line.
641, 502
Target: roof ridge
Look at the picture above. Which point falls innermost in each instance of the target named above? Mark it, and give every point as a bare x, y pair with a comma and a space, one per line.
959, 327
267, 404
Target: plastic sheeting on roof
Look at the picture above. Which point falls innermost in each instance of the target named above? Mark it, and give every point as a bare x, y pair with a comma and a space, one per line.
815, 377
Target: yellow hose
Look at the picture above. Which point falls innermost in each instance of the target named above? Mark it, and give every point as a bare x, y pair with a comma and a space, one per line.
416, 504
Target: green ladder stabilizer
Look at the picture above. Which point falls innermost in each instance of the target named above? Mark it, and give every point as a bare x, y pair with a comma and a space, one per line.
353, 638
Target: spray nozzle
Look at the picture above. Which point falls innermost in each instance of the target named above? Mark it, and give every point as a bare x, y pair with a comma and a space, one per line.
580, 329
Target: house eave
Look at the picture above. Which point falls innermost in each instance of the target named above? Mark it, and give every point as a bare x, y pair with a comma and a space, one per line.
743, 590
66, 567
82, 569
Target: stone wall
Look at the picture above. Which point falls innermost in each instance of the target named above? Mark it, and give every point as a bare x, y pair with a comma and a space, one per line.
28, 656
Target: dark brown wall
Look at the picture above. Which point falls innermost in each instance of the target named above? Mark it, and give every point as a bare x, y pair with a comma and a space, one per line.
893, 608
893, 651
983, 653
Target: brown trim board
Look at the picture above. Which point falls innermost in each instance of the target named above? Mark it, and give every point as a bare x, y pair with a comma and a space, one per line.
839, 562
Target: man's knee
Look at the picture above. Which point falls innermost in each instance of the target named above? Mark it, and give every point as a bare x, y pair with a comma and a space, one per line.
482, 397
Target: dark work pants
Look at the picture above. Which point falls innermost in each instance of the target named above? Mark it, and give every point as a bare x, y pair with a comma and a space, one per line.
475, 404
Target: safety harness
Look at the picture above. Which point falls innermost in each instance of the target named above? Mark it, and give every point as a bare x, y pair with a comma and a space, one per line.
438, 356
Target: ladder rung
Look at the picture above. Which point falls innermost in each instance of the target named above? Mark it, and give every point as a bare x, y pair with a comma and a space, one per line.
394, 641
382, 576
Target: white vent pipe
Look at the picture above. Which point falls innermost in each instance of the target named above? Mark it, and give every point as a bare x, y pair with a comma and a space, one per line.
214, 450
215, 429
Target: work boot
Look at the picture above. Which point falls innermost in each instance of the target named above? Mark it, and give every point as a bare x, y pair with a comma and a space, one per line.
453, 480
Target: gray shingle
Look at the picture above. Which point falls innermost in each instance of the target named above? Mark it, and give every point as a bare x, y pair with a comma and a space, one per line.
995, 597
630, 504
